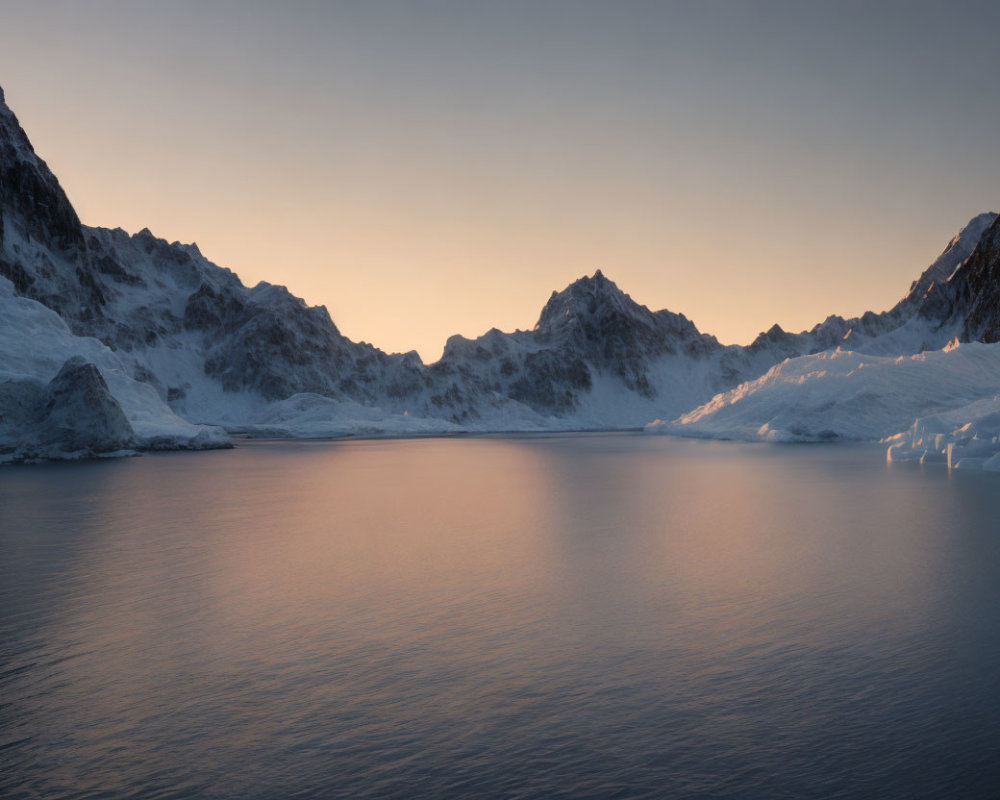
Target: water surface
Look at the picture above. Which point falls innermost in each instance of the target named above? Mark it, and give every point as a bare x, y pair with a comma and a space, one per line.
574, 616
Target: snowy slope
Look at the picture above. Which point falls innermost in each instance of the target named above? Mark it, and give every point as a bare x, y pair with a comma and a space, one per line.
845, 395
40, 358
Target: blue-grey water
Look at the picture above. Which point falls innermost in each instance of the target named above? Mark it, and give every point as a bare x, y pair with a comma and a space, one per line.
604, 616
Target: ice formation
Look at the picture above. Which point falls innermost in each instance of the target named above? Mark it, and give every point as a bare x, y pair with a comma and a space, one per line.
962, 438
841, 394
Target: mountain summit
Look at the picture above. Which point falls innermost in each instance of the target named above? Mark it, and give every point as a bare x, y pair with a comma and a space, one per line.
37, 222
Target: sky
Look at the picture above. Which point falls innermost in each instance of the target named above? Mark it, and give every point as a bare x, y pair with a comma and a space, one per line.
425, 168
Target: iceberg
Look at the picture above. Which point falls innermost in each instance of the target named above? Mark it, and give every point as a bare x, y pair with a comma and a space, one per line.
964, 438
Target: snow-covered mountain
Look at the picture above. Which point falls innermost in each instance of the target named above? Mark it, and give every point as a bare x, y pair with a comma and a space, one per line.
219, 352
925, 318
207, 350
928, 401
210, 347
596, 358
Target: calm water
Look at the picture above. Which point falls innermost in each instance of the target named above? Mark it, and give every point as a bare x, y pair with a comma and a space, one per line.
578, 616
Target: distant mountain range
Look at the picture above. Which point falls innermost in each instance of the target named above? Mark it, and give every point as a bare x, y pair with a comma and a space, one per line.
183, 348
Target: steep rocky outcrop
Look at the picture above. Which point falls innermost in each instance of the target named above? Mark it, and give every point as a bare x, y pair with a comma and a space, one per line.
977, 288
73, 416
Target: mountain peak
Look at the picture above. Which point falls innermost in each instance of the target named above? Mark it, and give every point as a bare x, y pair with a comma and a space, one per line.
594, 285
32, 199
951, 258
772, 336
978, 279
585, 298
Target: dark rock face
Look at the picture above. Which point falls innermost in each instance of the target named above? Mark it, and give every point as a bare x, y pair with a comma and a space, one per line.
35, 210
940, 272
598, 321
977, 288
775, 339
16, 274
79, 412
29, 189
277, 348
268, 341
213, 310
549, 382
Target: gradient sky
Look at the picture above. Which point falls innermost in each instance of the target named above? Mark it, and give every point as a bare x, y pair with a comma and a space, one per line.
427, 168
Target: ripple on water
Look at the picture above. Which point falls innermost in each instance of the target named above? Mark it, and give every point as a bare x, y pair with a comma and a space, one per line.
569, 616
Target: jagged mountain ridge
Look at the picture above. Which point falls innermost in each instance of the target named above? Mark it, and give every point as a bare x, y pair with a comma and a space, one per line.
589, 328
937, 404
133, 292
925, 311
144, 297
593, 323
218, 351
